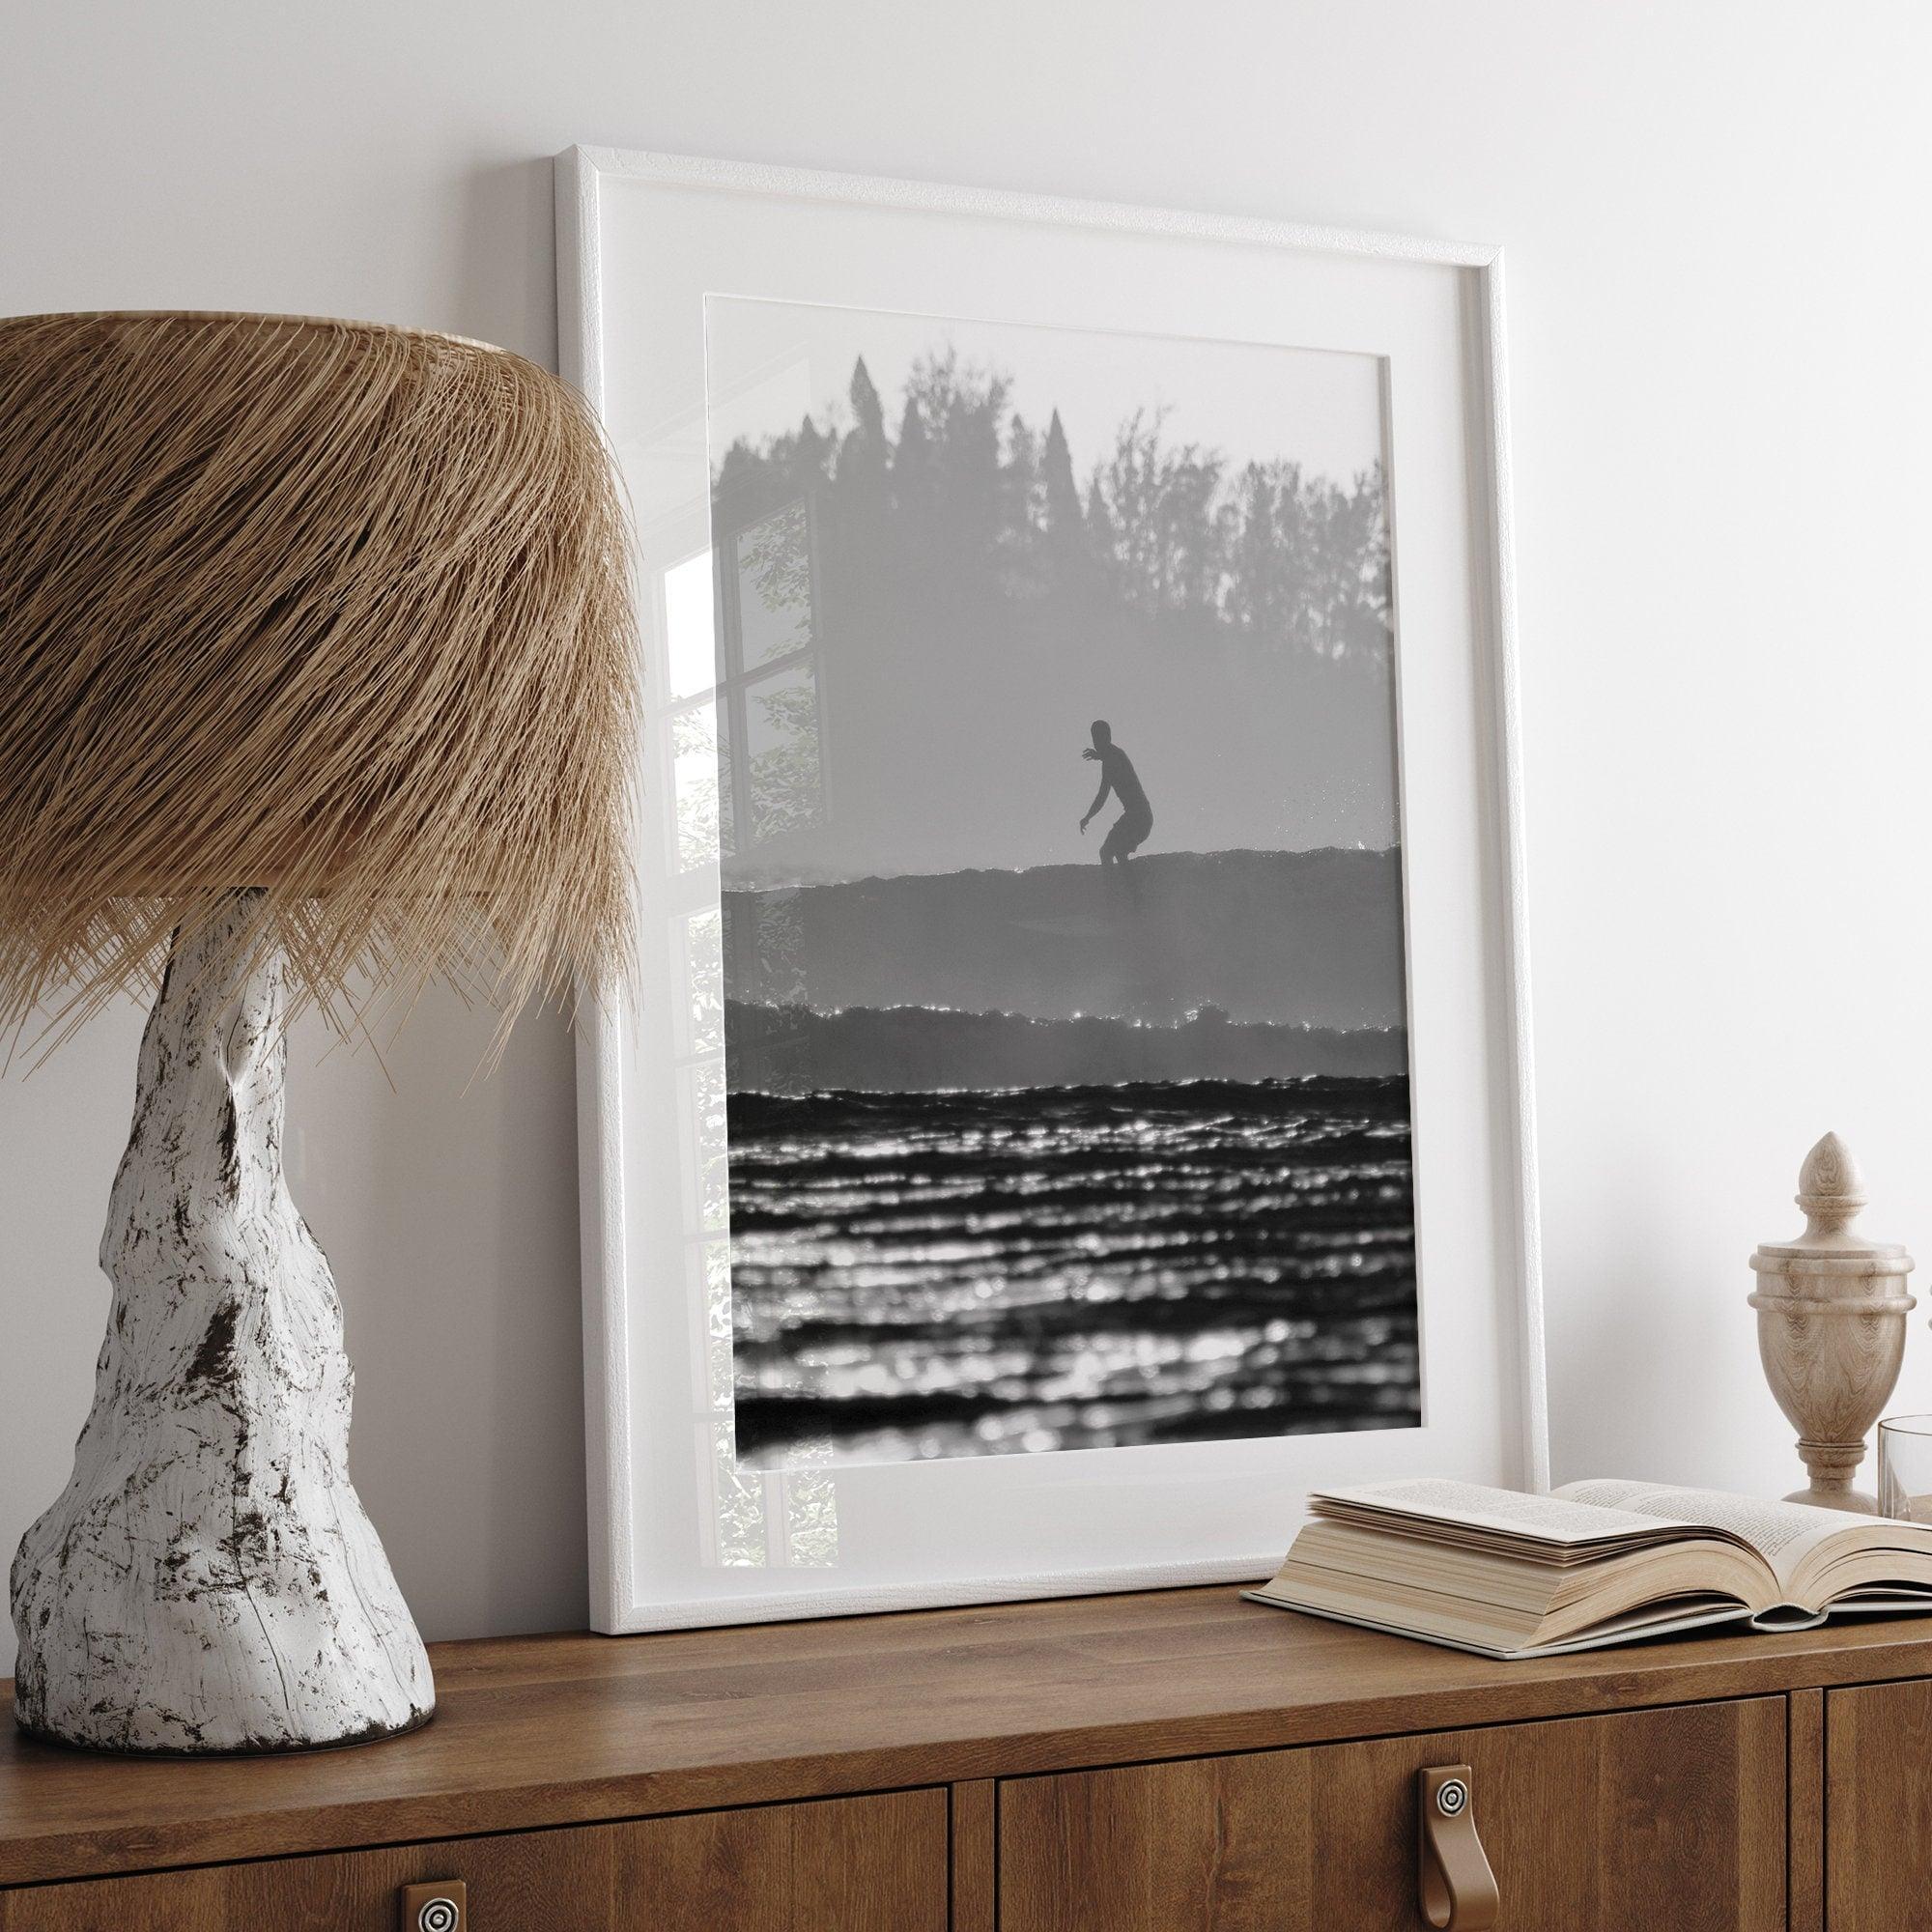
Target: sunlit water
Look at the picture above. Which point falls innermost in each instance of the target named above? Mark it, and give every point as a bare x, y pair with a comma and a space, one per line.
921, 1275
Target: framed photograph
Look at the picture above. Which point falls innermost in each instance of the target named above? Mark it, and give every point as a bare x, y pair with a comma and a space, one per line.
1077, 1096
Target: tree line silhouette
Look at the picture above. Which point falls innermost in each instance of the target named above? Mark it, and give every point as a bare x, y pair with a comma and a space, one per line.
968, 501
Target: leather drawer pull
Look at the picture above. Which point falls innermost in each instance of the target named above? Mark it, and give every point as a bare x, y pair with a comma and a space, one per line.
1454, 1883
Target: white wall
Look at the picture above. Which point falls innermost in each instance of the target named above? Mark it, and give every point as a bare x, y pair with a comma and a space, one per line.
1718, 285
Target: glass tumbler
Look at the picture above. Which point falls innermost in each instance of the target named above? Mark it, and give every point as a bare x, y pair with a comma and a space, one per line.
1905, 1467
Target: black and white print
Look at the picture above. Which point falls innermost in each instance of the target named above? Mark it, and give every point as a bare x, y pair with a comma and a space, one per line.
1066, 1070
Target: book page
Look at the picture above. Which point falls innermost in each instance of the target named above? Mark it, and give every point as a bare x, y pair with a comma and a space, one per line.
1558, 1518
1782, 1533
1681, 1614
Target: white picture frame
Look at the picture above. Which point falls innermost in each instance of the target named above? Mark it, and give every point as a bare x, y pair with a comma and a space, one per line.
633, 234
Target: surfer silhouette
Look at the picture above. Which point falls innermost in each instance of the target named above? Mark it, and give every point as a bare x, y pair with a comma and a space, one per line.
1118, 777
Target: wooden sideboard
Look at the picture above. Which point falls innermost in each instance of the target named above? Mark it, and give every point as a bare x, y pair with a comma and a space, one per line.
1170, 1762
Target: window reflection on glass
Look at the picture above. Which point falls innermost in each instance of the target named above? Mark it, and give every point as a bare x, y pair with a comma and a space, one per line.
759, 1519
771, 750
774, 559
702, 960
782, 762
739, 1517
691, 645
745, 762
811, 1514
767, 937
705, 1117
765, 934
694, 755
717, 1266
721, 785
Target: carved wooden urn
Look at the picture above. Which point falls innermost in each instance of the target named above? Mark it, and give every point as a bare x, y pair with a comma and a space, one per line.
1830, 1325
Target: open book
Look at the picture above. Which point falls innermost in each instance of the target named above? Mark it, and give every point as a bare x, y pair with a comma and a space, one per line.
1591, 1564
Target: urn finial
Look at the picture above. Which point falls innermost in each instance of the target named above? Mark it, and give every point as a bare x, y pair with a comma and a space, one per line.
1831, 1325
1830, 1189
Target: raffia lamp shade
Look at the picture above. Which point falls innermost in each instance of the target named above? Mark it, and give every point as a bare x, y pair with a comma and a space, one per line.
318, 679
335, 610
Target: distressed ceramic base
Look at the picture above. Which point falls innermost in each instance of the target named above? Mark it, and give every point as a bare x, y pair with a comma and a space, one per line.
59, 1743
208, 1580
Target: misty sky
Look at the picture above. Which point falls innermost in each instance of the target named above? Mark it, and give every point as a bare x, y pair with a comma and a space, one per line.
954, 759
769, 362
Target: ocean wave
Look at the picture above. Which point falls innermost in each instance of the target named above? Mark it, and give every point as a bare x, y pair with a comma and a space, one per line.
938, 1275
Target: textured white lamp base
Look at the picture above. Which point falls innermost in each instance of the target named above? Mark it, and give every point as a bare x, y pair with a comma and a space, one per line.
208, 1580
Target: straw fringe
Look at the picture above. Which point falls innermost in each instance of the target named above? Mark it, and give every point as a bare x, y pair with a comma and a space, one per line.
337, 611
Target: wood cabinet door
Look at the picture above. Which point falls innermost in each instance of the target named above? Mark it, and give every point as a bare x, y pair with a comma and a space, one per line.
1670, 1821
1878, 1808
842, 1865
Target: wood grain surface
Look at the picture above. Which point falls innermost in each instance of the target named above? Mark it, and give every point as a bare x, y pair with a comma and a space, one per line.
851, 1865
568, 1730
1878, 1808
974, 1856
1804, 1788
1660, 1818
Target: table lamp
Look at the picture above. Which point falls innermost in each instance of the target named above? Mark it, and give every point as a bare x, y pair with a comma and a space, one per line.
318, 682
